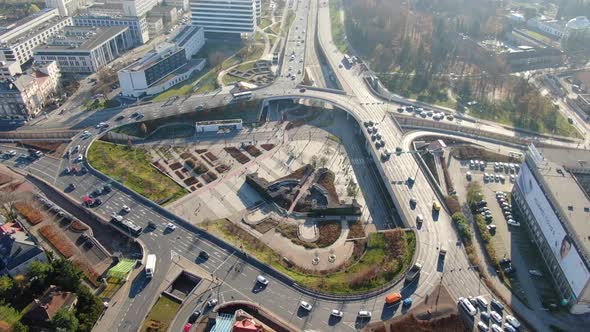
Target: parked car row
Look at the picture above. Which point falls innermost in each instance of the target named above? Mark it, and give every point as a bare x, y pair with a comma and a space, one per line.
426, 113
489, 313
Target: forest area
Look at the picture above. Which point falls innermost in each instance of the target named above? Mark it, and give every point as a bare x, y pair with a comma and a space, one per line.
413, 47
11, 11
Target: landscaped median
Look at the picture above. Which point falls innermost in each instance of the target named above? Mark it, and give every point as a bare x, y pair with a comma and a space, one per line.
377, 260
131, 167
161, 315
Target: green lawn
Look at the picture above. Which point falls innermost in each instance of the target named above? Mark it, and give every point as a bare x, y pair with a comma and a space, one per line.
374, 269
100, 105
338, 33
181, 89
265, 22
276, 28
131, 167
272, 39
161, 315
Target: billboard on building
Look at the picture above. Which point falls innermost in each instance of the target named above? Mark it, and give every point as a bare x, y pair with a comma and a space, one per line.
559, 241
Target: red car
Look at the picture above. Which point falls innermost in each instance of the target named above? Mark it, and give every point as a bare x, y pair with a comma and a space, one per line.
187, 327
74, 170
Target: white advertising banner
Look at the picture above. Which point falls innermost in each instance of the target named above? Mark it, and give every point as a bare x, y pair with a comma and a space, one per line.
560, 243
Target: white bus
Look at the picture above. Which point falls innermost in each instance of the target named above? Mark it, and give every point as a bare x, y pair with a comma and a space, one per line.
246, 95
150, 265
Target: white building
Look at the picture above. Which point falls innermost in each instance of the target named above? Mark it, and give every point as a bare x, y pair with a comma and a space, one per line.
169, 64
224, 17
553, 28
191, 38
555, 209
65, 7
81, 49
155, 25
20, 38
137, 25
24, 96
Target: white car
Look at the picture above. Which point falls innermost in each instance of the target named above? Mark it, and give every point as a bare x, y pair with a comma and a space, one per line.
212, 302
261, 279
170, 226
496, 317
12, 153
496, 328
364, 314
126, 209
482, 302
482, 327
80, 157
305, 305
536, 273
511, 222
336, 313
117, 217
513, 321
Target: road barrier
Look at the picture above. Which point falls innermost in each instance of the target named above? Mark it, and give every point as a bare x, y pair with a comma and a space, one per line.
38, 135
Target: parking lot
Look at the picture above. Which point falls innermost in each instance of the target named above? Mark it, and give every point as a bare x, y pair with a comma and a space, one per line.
509, 237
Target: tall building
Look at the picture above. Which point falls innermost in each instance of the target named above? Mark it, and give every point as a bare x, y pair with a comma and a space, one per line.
82, 49
258, 5
184, 4
20, 38
548, 198
224, 18
24, 96
65, 7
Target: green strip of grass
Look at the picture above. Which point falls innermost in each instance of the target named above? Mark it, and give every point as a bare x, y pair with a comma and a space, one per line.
374, 269
161, 315
338, 34
131, 167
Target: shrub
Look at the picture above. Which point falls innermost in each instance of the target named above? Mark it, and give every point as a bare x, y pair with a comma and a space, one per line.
474, 194
29, 212
453, 204
58, 240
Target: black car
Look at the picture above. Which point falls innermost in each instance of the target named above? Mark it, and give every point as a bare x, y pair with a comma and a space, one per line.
95, 193
505, 261
302, 90
83, 170
97, 202
119, 118
134, 114
106, 188
194, 316
71, 186
203, 255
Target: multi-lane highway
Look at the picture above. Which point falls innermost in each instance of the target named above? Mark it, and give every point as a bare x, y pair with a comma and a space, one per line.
281, 296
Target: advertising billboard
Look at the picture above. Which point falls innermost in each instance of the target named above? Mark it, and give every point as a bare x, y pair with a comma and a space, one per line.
560, 243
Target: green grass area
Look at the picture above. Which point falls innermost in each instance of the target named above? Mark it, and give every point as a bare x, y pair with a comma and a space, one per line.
132, 168
272, 39
264, 22
208, 83
276, 28
538, 36
338, 33
113, 285
98, 105
375, 267
161, 315
289, 21
181, 89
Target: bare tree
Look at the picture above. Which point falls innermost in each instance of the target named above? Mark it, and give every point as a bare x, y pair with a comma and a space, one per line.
7, 208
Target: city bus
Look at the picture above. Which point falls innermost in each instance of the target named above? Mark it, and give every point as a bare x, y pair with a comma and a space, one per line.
246, 95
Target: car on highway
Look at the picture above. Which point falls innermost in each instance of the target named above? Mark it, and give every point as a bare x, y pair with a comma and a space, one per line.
80, 158
194, 316
187, 327
336, 313
364, 314
306, 306
212, 302
262, 280
170, 226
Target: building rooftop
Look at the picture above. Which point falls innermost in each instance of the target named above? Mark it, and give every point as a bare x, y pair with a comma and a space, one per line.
556, 175
49, 304
28, 19
25, 34
81, 38
185, 34
162, 51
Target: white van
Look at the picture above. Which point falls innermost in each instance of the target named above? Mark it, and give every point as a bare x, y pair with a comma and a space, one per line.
150, 266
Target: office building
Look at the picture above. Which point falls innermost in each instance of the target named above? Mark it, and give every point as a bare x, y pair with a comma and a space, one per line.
550, 197
155, 26
258, 4
182, 4
158, 70
24, 96
224, 18
80, 49
137, 8
169, 14
191, 38
552, 28
137, 25
65, 7
20, 38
